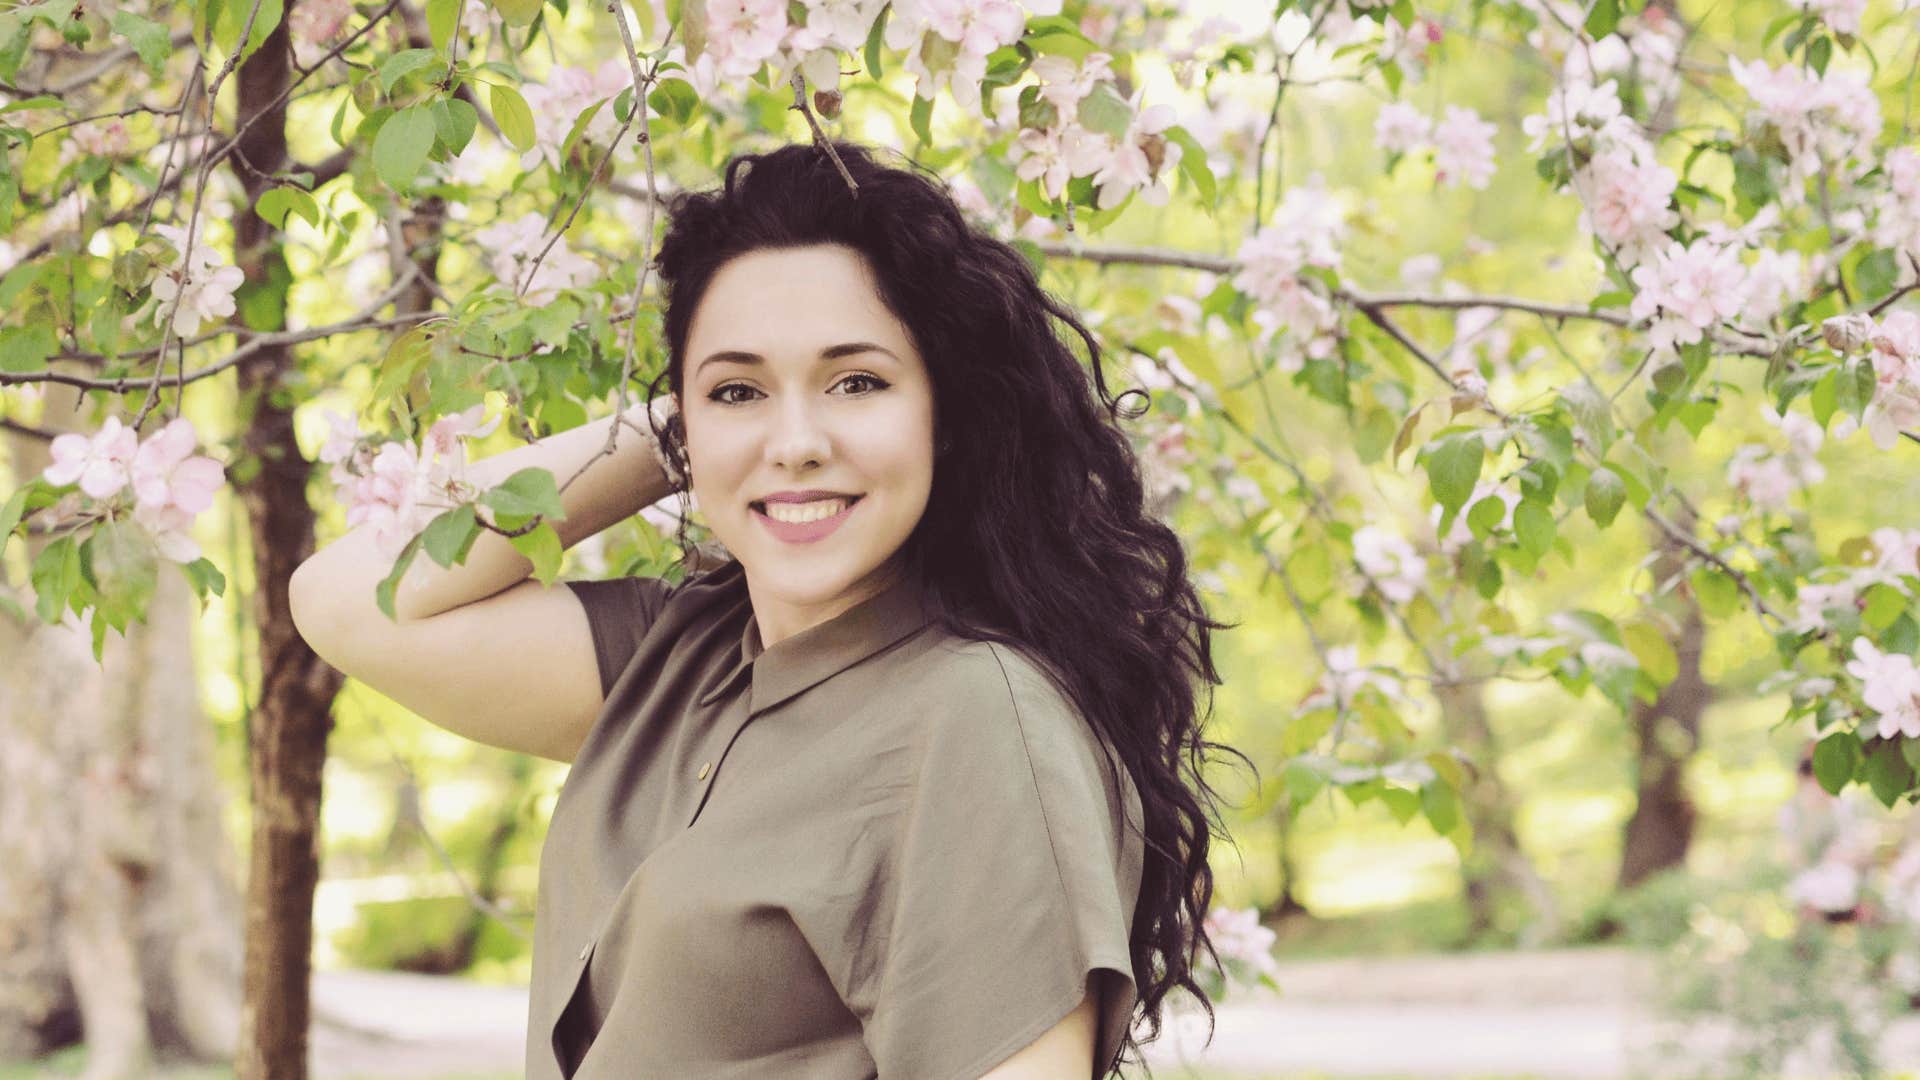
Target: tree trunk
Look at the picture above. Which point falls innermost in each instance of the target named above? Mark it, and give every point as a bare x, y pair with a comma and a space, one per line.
1666, 735
1498, 871
118, 903
289, 738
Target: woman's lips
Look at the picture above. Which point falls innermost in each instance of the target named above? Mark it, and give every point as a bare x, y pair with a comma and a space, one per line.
806, 532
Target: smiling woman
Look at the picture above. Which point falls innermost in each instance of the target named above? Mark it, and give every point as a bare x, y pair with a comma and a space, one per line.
908, 787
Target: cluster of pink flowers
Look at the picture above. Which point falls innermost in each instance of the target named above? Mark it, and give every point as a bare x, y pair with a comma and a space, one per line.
1345, 680
171, 485
1306, 231
1827, 123
1238, 938
1896, 553
1461, 143
558, 101
399, 487
1687, 290
196, 289
1390, 561
1890, 686
1895, 350
1768, 477
511, 247
1625, 193
1897, 212
1843, 16
1139, 160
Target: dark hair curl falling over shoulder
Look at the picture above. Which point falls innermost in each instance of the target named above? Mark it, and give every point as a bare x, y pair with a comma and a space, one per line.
1035, 533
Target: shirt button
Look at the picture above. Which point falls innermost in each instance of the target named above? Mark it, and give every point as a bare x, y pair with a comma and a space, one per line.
705, 766
585, 949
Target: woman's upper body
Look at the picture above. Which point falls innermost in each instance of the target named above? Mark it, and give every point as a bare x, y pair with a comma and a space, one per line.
874, 849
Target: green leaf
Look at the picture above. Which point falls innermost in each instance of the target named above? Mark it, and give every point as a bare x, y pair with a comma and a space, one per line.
26, 348
1073, 46
10, 516
401, 64
55, 574
276, 203
149, 39
921, 119
1302, 782
402, 146
383, 592
450, 535
1403, 804
1652, 649
443, 18
518, 12
120, 562
875, 37
510, 111
1888, 773
675, 99
1884, 604
1719, 595
542, 547
1834, 760
1453, 468
1442, 806
1486, 515
1193, 164
233, 19
454, 121
526, 493
1604, 16
1533, 524
1606, 493
1103, 110
1877, 274
1819, 52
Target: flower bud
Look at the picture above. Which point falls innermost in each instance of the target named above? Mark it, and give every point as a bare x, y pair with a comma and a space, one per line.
1845, 333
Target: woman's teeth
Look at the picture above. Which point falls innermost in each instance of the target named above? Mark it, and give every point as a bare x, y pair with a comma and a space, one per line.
801, 513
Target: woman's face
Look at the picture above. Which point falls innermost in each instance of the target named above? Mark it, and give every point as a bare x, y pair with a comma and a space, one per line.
798, 380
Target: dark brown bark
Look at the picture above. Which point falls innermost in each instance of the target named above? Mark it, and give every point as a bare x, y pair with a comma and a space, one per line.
290, 726
1666, 735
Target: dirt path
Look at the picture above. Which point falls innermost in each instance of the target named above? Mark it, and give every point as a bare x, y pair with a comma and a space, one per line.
1571, 1013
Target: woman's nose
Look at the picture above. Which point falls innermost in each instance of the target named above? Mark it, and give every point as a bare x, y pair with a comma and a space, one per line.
797, 435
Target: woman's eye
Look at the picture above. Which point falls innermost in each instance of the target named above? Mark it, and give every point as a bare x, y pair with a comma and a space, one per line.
874, 383
877, 384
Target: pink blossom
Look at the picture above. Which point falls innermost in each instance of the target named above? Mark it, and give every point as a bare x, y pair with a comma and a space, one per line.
1463, 148
196, 289
166, 472
1056, 155
1130, 165
1399, 128
1065, 82
1829, 886
1691, 288
1842, 15
100, 462
1345, 678
1823, 120
172, 486
1390, 561
389, 497
109, 139
1236, 935
1890, 687
318, 22
511, 247
744, 34
1625, 202
567, 92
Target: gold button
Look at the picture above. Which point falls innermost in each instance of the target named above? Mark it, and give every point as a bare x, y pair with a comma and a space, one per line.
703, 770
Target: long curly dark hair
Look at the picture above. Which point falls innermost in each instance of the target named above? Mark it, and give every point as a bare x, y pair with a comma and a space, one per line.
1035, 533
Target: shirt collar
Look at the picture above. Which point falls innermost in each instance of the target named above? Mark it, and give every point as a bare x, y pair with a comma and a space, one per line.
824, 650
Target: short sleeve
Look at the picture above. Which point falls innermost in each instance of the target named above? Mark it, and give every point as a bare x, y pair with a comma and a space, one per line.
619, 612
1011, 890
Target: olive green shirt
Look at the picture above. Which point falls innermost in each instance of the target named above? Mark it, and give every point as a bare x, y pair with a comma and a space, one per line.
874, 850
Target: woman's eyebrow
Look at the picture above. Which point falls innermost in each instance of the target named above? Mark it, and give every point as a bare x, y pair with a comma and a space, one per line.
831, 352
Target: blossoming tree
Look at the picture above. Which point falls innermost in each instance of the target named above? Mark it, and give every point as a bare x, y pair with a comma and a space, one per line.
396, 226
